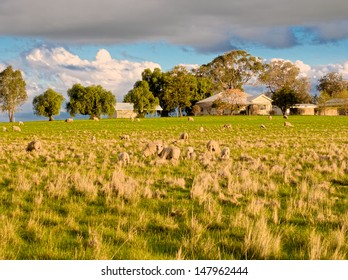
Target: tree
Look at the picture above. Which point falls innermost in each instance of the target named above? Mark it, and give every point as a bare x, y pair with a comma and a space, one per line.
48, 104
12, 91
231, 70
284, 98
231, 99
142, 98
92, 100
332, 83
196, 110
180, 85
322, 99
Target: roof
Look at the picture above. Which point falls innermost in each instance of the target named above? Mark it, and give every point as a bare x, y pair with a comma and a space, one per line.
251, 99
122, 106
302, 106
212, 98
336, 102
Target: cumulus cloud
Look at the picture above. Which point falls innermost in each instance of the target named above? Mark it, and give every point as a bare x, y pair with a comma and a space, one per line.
209, 26
59, 69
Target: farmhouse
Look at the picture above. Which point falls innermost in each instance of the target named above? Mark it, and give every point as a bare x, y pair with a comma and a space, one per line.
126, 110
303, 109
334, 107
248, 104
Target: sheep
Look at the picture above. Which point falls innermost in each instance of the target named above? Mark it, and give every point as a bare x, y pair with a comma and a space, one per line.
190, 153
227, 126
263, 126
20, 123
69, 120
169, 153
201, 129
138, 120
213, 146
151, 148
94, 139
16, 128
184, 136
285, 116
288, 124
4, 129
95, 119
124, 137
190, 119
131, 119
225, 153
34, 146
123, 158
270, 117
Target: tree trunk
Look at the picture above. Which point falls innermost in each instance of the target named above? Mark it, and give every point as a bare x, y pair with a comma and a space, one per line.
180, 112
50, 118
10, 115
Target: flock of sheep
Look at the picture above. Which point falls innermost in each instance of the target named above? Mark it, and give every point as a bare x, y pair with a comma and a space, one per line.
157, 148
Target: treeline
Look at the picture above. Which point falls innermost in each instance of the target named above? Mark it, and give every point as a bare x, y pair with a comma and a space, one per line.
180, 88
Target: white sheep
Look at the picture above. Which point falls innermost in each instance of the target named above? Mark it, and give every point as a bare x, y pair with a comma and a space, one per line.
190, 153
227, 126
225, 153
201, 129
34, 146
169, 153
285, 116
138, 120
20, 123
190, 119
124, 137
131, 119
96, 119
16, 128
4, 129
123, 158
263, 126
288, 124
213, 146
151, 148
69, 120
270, 117
184, 136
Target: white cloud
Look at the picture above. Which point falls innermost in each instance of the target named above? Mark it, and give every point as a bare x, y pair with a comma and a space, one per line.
60, 69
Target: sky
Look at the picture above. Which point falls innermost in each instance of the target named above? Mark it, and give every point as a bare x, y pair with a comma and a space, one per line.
110, 42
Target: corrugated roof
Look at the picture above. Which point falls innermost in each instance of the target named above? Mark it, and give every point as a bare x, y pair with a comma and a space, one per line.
336, 102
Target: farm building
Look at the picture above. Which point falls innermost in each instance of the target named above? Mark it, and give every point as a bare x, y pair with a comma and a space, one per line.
248, 104
303, 109
334, 107
126, 110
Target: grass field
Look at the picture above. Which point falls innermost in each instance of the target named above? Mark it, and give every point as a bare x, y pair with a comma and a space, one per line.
283, 194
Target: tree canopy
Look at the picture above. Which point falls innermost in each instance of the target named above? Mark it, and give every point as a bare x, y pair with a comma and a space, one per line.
48, 104
12, 91
333, 84
92, 100
231, 70
142, 98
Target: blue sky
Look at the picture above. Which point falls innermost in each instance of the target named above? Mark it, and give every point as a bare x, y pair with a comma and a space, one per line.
110, 42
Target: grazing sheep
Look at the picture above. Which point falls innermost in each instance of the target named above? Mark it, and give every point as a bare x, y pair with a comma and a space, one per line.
288, 124
4, 129
270, 117
190, 119
190, 153
201, 129
94, 139
34, 146
184, 136
227, 126
168, 153
151, 148
69, 120
124, 137
123, 158
95, 119
285, 116
131, 119
213, 146
225, 153
138, 120
20, 123
263, 126
16, 128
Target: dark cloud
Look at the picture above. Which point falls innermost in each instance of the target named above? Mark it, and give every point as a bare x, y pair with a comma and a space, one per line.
205, 26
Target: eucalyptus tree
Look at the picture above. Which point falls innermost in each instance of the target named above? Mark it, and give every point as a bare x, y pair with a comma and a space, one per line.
48, 104
12, 91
